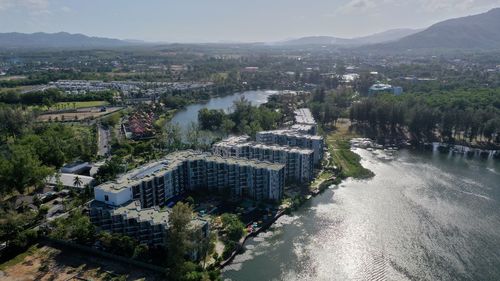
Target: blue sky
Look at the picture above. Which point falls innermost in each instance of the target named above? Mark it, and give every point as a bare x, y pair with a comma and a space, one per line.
228, 20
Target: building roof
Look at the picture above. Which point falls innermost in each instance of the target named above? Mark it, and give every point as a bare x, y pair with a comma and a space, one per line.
381, 87
243, 142
291, 133
69, 180
73, 168
175, 160
304, 116
302, 127
133, 210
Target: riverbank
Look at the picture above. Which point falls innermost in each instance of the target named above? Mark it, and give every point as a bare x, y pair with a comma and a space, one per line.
345, 161
339, 163
461, 150
188, 115
381, 226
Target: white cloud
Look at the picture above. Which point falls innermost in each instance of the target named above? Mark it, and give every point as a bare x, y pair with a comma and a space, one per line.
436, 5
362, 6
356, 6
66, 9
33, 6
426, 6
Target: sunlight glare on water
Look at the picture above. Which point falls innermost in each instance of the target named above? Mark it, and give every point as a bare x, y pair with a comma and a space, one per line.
422, 217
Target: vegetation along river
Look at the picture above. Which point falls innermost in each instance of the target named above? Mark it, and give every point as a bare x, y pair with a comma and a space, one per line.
424, 216
189, 115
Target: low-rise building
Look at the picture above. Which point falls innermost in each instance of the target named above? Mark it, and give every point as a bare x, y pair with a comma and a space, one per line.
385, 88
76, 168
75, 181
299, 164
294, 138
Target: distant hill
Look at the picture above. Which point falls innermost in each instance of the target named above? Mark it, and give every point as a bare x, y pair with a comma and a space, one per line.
316, 40
473, 32
56, 40
386, 36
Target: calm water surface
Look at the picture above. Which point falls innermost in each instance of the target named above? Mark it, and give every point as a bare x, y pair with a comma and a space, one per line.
185, 117
424, 216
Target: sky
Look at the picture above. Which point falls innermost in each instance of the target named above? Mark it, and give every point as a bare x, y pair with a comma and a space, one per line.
229, 20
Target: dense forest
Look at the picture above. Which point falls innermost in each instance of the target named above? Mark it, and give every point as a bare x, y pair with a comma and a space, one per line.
50, 97
450, 116
31, 151
245, 119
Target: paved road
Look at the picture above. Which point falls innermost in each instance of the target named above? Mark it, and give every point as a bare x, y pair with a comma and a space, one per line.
103, 139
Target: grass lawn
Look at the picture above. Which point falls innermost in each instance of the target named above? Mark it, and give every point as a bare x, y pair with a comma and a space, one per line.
325, 175
78, 104
73, 105
340, 150
19, 258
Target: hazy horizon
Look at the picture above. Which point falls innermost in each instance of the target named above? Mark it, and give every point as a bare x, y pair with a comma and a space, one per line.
207, 21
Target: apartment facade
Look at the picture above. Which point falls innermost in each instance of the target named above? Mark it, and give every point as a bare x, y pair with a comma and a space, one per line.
299, 162
146, 225
154, 184
131, 205
294, 138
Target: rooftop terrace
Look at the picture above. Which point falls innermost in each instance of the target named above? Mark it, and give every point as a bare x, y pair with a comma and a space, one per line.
292, 133
174, 160
243, 141
304, 116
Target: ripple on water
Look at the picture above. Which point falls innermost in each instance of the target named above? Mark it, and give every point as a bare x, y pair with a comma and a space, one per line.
415, 220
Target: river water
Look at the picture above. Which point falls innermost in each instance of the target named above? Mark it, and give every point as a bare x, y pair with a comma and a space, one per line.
185, 117
424, 216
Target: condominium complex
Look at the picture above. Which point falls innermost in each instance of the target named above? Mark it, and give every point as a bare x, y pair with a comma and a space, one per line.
298, 161
304, 121
155, 183
146, 225
304, 129
130, 205
293, 138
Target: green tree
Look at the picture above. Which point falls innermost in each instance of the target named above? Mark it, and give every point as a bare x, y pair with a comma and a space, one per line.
141, 252
178, 238
77, 182
193, 135
233, 226
173, 136
21, 169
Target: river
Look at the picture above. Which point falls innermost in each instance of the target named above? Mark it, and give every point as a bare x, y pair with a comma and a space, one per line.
424, 216
190, 114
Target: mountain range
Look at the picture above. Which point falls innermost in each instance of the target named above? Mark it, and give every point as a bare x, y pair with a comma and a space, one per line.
57, 40
480, 31
386, 36
473, 32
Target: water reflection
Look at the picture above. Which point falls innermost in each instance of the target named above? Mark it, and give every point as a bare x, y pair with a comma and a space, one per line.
185, 117
424, 216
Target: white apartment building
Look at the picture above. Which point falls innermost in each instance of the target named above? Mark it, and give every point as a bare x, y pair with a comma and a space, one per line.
299, 162
294, 138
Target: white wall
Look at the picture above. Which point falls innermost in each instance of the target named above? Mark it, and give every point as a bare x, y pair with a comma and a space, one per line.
115, 198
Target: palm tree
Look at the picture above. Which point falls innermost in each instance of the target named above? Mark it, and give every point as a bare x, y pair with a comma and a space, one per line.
77, 182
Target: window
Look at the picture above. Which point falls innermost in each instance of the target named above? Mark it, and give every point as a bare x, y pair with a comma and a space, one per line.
106, 198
